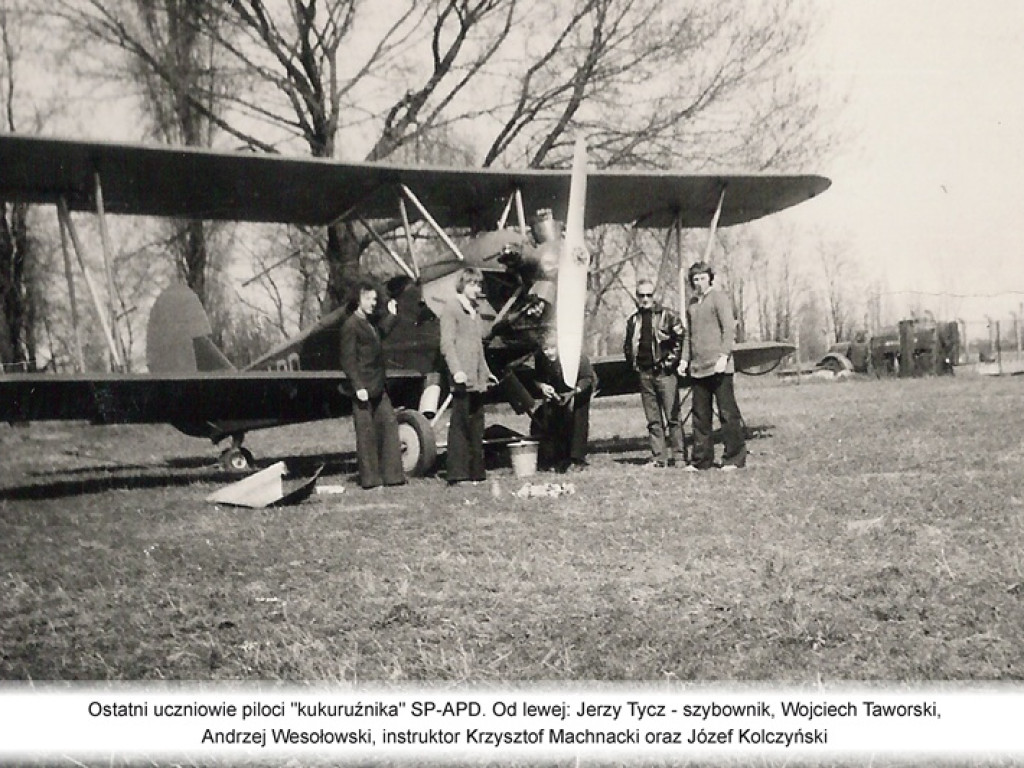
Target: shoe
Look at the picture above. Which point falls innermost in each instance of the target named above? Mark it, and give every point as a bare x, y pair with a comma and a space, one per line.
739, 461
690, 468
578, 465
729, 467
655, 463
670, 463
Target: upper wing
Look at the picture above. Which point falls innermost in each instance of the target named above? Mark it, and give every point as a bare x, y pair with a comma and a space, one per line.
247, 186
187, 398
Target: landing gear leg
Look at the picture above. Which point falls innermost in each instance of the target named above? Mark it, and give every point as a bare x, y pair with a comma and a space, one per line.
235, 458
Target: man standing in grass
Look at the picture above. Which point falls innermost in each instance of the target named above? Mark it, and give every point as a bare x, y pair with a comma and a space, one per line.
653, 346
462, 346
562, 421
378, 448
712, 337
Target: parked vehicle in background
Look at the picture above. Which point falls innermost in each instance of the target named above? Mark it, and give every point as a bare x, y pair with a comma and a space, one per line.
914, 347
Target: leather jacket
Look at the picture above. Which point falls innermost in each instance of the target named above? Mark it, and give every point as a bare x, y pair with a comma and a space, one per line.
668, 339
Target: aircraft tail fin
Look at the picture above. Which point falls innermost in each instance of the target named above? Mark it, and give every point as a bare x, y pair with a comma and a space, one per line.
178, 337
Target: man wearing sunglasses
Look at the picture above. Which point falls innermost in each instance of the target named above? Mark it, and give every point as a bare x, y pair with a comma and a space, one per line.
653, 346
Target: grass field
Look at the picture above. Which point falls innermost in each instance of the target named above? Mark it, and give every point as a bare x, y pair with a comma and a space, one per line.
878, 534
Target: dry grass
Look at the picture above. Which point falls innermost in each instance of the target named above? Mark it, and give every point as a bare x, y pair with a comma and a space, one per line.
878, 534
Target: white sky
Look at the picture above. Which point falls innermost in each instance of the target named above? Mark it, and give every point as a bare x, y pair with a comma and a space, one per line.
931, 195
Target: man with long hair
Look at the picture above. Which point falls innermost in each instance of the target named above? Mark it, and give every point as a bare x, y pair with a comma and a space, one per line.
462, 347
712, 337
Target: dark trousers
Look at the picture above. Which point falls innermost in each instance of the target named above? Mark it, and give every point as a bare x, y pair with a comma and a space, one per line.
378, 449
466, 437
659, 394
563, 431
707, 391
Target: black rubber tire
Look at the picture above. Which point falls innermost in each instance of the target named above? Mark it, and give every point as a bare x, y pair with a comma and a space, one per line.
419, 445
237, 460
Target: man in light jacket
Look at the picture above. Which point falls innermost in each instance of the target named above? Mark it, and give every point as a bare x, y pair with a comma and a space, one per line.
712, 337
462, 347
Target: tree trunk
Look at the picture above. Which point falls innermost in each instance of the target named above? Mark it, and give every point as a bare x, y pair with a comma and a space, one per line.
343, 252
17, 347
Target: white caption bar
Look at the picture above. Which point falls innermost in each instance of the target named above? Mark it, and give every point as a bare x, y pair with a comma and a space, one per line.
605, 722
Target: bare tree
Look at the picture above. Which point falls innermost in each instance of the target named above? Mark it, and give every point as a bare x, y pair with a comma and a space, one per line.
840, 288
171, 59
650, 83
779, 289
17, 247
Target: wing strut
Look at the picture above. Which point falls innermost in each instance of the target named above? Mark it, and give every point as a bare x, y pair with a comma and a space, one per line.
380, 241
505, 212
506, 307
271, 268
62, 212
666, 246
69, 274
618, 265
521, 213
101, 215
714, 225
684, 286
434, 225
408, 236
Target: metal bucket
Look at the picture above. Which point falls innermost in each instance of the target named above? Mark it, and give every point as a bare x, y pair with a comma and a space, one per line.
524, 457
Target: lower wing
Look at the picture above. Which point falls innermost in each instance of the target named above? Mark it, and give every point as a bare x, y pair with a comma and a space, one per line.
616, 377
189, 399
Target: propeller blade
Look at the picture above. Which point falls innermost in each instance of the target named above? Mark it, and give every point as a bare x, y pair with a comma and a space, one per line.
573, 263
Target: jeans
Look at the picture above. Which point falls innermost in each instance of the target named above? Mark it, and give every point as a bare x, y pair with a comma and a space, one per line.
659, 394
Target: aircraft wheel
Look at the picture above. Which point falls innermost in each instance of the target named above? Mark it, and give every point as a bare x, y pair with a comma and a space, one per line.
419, 446
237, 460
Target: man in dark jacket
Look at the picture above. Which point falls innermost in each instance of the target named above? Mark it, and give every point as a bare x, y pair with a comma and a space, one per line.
378, 448
653, 346
562, 421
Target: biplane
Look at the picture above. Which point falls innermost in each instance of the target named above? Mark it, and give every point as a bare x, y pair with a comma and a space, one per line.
192, 386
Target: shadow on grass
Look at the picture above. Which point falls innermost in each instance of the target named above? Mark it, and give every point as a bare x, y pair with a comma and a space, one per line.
186, 470
333, 463
120, 477
60, 489
43, 473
